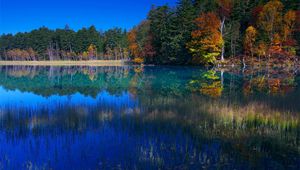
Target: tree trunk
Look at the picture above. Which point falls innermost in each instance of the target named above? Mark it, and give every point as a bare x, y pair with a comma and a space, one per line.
222, 34
244, 64
5, 55
222, 78
50, 52
57, 51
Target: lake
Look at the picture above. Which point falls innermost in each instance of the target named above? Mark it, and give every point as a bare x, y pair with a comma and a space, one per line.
152, 117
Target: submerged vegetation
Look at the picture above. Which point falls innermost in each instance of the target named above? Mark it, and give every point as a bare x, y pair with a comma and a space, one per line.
193, 32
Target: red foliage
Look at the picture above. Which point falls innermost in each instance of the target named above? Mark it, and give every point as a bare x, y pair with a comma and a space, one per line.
225, 7
290, 42
255, 13
149, 51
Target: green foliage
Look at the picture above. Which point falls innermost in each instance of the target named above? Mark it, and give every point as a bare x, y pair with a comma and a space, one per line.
171, 29
210, 75
65, 43
162, 38
160, 19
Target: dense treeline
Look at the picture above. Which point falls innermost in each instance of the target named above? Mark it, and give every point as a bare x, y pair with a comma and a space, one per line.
193, 32
202, 31
65, 44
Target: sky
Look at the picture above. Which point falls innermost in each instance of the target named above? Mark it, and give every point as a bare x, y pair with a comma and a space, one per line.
26, 15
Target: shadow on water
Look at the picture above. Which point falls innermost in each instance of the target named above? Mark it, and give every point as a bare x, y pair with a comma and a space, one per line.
148, 118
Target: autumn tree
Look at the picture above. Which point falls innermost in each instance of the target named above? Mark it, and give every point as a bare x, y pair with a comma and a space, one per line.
85, 55
289, 22
19, 54
148, 49
261, 49
270, 18
275, 47
133, 46
225, 9
249, 40
207, 42
164, 36
140, 43
92, 51
278, 28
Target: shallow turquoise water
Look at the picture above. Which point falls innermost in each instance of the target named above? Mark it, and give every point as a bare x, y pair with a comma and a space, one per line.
148, 118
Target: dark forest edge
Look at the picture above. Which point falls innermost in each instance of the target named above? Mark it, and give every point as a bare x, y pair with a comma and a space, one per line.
214, 32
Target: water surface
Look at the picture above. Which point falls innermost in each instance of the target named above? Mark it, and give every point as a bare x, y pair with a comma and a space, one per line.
148, 118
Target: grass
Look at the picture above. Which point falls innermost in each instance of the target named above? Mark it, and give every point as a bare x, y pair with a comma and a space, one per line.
66, 63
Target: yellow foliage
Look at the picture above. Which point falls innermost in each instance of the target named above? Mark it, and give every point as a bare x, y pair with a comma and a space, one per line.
85, 55
250, 38
270, 19
213, 90
92, 47
92, 51
276, 44
261, 49
289, 23
207, 40
133, 46
138, 60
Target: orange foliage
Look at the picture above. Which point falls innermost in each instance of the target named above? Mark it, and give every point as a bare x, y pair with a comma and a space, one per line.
276, 45
212, 90
138, 60
206, 40
270, 18
133, 46
261, 49
274, 86
206, 23
289, 20
271, 85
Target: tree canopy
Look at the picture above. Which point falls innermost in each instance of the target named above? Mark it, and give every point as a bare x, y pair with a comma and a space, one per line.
192, 32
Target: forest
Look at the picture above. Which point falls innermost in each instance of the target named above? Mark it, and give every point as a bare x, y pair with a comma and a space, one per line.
192, 32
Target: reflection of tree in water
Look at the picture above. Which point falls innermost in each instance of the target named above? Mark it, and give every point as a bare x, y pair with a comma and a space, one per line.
274, 83
66, 80
268, 80
20, 71
208, 84
170, 117
160, 86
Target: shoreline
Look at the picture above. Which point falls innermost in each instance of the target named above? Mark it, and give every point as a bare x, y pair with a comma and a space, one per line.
65, 63
226, 65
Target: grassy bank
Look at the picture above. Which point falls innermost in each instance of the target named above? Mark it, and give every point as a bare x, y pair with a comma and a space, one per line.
66, 63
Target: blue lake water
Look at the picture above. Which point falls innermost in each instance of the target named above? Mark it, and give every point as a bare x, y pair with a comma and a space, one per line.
149, 118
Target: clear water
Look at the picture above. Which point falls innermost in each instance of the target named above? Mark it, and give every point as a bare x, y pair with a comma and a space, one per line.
148, 118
